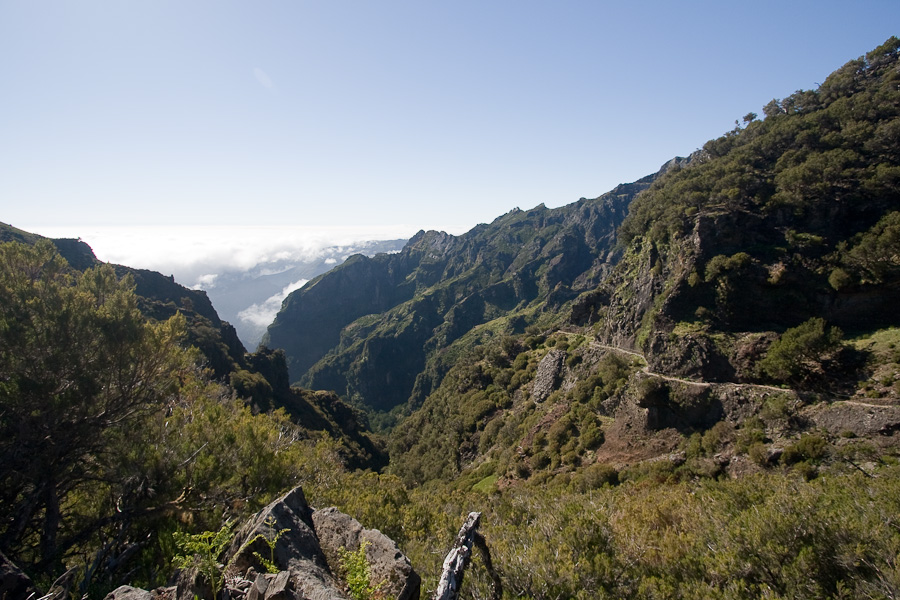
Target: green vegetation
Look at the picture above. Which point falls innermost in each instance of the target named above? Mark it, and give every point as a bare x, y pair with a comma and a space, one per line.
356, 572
789, 209
202, 550
500, 363
800, 353
112, 438
774, 534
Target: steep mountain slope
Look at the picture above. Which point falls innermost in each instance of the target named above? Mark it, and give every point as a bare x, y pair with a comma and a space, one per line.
250, 299
377, 329
711, 346
789, 218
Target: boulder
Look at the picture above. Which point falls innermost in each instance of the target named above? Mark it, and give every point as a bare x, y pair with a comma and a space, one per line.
302, 545
296, 551
548, 373
390, 571
126, 592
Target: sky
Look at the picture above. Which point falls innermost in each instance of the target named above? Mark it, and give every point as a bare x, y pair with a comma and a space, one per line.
184, 116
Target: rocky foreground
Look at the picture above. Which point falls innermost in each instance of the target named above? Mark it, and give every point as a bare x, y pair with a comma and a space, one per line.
306, 556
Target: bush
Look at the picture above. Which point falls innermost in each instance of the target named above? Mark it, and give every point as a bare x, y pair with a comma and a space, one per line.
810, 447
541, 460
800, 352
595, 476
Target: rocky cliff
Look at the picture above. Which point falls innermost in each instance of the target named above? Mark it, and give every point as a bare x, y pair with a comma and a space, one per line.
378, 330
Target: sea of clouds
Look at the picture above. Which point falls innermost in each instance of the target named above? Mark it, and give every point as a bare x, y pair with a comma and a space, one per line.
198, 255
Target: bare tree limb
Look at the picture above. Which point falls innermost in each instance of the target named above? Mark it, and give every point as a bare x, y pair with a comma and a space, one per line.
455, 564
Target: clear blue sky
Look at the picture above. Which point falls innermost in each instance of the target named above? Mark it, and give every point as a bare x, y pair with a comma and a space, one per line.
379, 112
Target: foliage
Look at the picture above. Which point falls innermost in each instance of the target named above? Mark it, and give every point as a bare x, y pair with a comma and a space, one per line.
202, 550
800, 352
810, 447
269, 561
111, 437
357, 573
789, 209
79, 366
873, 256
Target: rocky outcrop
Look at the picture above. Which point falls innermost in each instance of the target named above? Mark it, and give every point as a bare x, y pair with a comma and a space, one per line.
548, 374
126, 592
391, 572
856, 418
14, 584
305, 553
296, 551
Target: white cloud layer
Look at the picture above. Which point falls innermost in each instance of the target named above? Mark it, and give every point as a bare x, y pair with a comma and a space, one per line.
261, 315
194, 254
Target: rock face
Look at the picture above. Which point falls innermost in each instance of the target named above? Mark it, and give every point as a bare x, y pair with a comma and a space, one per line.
391, 572
547, 376
126, 592
14, 583
297, 550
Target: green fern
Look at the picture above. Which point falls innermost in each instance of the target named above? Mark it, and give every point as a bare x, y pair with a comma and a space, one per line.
202, 550
268, 563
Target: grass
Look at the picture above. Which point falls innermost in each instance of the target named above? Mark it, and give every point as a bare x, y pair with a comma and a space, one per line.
487, 485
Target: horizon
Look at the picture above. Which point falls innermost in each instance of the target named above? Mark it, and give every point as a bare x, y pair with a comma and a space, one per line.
190, 253
348, 116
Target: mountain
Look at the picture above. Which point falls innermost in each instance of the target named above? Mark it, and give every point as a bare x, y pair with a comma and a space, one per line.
251, 298
712, 296
377, 330
261, 378
716, 342
790, 218
686, 388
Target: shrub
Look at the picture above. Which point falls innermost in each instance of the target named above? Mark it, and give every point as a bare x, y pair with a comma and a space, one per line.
715, 436
540, 460
810, 447
800, 351
355, 568
758, 454
595, 476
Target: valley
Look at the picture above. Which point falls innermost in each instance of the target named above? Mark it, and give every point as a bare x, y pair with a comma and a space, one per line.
687, 387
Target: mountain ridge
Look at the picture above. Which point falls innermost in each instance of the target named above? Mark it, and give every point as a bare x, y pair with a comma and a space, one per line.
373, 329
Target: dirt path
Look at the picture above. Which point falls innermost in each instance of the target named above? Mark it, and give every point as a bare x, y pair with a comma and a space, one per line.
646, 370
865, 404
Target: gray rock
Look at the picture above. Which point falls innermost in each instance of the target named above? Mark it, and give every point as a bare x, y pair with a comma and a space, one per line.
390, 570
548, 373
126, 592
297, 550
190, 584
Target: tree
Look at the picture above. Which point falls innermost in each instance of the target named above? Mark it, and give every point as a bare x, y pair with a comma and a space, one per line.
800, 352
79, 365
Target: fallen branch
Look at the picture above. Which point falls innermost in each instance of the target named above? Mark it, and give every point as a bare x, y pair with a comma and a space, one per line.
455, 564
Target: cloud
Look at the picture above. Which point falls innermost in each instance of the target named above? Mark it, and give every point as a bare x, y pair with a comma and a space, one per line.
193, 254
261, 315
263, 78
205, 282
